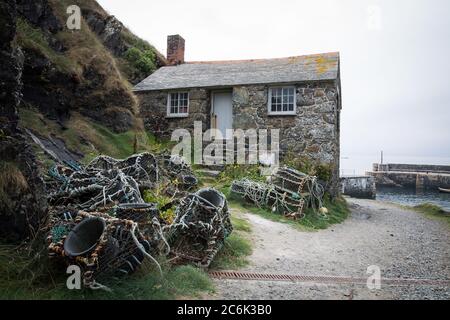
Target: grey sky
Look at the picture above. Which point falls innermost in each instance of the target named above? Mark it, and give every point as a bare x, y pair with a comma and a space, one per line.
394, 69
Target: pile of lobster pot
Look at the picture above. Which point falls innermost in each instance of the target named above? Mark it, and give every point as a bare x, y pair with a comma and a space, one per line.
288, 192
202, 223
100, 222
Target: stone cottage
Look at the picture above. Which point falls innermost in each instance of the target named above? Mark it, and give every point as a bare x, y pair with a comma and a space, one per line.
299, 95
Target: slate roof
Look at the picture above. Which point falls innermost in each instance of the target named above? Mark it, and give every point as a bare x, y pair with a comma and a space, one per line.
242, 72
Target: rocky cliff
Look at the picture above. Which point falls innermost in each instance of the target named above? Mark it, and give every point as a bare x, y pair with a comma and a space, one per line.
89, 71
71, 88
22, 193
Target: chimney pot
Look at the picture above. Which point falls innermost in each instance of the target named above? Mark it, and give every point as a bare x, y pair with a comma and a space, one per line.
175, 49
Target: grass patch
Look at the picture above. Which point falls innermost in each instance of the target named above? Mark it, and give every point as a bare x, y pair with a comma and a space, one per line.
20, 280
234, 253
237, 247
87, 137
11, 179
433, 211
240, 224
33, 38
337, 212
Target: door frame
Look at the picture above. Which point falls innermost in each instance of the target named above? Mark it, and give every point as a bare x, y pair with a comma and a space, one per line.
213, 121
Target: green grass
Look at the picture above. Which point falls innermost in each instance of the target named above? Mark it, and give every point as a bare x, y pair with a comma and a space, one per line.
90, 138
237, 247
433, 211
33, 38
21, 279
11, 181
119, 144
337, 213
240, 224
233, 254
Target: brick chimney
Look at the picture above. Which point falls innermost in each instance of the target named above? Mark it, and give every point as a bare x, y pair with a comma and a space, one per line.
175, 49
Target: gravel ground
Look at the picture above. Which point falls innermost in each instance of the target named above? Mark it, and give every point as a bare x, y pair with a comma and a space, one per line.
403, 243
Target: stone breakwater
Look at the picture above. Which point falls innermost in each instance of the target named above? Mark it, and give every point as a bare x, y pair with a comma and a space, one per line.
425, 177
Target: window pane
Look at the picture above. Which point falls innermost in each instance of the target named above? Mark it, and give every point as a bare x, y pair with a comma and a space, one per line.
183, 110
173, 99
282, 99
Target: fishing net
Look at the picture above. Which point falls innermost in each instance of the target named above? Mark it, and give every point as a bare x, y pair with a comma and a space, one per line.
289, 192
202, 223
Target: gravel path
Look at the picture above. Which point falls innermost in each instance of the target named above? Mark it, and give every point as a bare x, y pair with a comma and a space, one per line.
403, 243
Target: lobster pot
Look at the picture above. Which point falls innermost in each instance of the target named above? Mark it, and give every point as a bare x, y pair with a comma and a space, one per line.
84, 237
120, 255
188, 182
139, 212
200, 228
103, 246
289, 179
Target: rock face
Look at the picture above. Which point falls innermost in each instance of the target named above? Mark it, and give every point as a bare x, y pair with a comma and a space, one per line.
117, 38
108, 29
39, 13
312, 132
22, 192
59, 77
10, 71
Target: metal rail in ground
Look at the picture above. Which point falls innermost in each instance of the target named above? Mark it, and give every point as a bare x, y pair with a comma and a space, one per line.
238, 275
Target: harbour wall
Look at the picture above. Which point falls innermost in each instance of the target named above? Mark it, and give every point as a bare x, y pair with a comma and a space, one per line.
426, 177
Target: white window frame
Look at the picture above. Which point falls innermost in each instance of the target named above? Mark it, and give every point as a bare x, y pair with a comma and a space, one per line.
169, 103
281, 113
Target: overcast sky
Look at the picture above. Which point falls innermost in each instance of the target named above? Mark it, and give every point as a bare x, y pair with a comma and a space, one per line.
395, 56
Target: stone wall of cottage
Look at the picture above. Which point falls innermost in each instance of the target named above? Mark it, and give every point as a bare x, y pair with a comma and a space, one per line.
313, 132
153, 110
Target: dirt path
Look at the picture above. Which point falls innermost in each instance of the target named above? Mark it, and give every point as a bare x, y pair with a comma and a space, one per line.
403, 243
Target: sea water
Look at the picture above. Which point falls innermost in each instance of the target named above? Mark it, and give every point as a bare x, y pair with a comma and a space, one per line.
411, 197
360, 164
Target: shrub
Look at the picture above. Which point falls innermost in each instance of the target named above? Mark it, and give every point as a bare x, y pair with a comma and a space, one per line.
322, 171
143, 61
